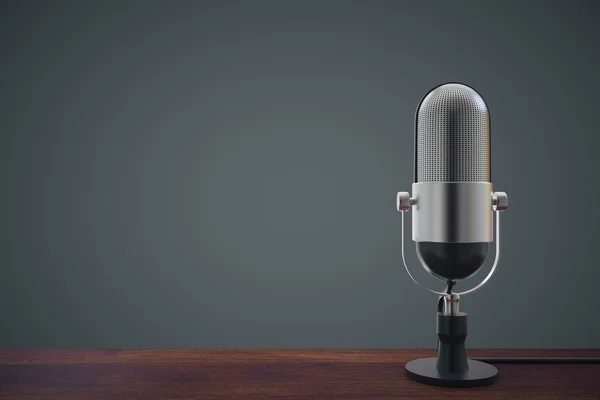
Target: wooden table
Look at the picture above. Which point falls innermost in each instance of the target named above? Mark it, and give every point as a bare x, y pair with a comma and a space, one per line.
275, 374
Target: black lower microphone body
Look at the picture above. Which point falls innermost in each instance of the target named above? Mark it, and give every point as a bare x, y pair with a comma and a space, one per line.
452, 261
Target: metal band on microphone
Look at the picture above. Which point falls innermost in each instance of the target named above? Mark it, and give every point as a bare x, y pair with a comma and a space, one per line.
452, 212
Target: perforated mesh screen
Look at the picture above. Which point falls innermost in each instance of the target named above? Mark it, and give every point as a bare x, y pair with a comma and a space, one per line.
453, 136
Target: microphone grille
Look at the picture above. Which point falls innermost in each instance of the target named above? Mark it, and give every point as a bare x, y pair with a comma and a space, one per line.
452, 136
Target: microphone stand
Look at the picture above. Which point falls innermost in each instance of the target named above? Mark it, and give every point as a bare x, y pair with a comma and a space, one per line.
520, 360
451, 367
451, 355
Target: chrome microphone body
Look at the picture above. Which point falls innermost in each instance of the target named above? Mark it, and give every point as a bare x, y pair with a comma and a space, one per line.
452, 195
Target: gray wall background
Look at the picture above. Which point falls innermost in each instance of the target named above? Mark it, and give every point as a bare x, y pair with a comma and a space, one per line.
223, 173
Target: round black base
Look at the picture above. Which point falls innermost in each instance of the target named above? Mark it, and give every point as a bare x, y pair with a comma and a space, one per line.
424, 370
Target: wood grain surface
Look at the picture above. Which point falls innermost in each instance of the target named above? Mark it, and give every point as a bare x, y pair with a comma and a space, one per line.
275, 374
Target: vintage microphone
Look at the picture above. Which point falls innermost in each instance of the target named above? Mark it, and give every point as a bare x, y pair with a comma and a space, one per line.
452, 205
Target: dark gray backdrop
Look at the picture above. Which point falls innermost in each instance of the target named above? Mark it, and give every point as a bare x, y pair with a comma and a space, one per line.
223, 173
